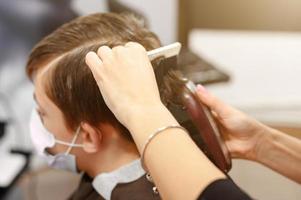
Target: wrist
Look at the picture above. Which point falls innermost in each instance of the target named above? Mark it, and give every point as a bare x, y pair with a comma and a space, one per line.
264, 144
146, 120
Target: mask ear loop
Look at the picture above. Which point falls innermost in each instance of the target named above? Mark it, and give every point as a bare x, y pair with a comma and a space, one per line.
72, 144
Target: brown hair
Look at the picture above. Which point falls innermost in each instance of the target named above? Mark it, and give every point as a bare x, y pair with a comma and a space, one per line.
102, 28
70, 84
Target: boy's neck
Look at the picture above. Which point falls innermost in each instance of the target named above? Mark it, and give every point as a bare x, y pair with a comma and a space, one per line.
117, 154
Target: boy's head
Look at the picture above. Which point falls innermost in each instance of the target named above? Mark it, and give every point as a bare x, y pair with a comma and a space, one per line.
65, 90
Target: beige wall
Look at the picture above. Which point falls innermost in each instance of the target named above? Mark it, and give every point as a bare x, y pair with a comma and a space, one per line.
239, 14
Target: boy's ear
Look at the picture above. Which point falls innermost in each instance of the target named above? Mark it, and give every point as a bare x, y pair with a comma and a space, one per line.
91, 137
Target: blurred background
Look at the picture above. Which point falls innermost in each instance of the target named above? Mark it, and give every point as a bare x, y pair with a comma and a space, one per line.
248, 53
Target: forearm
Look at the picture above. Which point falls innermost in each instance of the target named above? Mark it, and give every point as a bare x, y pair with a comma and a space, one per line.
166, 157
281, 153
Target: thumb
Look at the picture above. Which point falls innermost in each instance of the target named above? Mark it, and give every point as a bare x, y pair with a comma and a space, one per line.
233, 148
214, 104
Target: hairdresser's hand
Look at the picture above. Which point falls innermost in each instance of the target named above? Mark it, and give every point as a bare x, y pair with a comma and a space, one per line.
125, 78
242, 133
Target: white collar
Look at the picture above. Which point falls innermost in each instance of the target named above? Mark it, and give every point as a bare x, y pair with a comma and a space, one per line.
105, 183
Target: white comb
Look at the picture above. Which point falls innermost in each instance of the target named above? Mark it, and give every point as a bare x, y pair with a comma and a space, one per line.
165, 51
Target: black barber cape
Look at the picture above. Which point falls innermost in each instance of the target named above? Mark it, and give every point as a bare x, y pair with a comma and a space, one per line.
142, 189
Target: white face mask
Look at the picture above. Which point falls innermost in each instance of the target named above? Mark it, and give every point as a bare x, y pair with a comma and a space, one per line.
43, 139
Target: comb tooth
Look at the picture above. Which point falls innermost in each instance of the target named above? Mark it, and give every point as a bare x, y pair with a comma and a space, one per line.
164, 59
170, 80
172, 87
162, 66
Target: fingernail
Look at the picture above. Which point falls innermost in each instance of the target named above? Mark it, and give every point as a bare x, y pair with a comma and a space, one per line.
201, 89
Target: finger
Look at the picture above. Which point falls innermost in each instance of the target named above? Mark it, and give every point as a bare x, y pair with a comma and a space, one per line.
104, 52
118, 50
134, 45
216, 105
94, 63
138, 49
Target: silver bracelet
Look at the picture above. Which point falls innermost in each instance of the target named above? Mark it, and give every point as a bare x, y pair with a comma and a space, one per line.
152, 136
